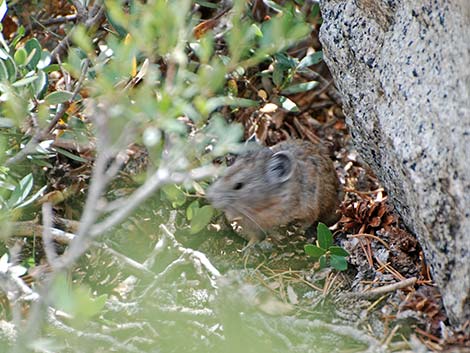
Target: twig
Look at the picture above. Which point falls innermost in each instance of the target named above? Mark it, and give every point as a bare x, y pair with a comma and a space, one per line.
42, 134
82, 12
97, 337
360, 235
136, 268
59, 20
354, 191
386, 341
93, 19
390, 269
160, 177
46, 234
195, 255
377, 292
36, 23
367, 254
304, 325
31, 229
158, 249
12, 284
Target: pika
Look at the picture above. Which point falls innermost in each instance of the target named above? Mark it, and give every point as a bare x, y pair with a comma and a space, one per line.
294, 180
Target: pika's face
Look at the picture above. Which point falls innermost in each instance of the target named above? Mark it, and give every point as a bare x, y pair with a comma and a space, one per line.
252, 182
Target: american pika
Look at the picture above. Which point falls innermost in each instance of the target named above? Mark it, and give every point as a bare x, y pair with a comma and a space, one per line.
294, 180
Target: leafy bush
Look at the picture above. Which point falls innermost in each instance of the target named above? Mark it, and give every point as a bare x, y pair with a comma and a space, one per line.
155, 76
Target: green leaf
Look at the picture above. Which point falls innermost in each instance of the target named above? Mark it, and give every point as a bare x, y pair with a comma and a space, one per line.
256, 30
278, 75
34, 50
20, 34
58, 97
285, 61
205, 48
40, 85
61, 295
116, 17
288, 105
325, 238
81, 38
76, 300
25, 81
21, 191
339, 251
310, 60
45, 60
338, 262
3, 72
30, 262
11, 68
87, 306
20, 56
53, 67
41, 163
33, 198
201, 218
192, 209
323, 262
227, 136
216, 102
300, 87
70, 155
314, 251
174, 194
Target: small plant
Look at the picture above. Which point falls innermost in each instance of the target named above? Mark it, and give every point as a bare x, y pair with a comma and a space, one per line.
198, 216
326, 252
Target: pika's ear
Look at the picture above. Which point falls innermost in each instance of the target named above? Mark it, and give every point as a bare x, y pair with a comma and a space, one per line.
280, 167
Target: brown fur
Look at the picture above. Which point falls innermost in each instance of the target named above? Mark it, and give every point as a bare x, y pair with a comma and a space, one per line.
310, 193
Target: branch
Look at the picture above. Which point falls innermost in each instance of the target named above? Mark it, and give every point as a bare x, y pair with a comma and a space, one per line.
47, 238
44, 133
302, 325
98, 337
160, 177
376, 292
31, 229
194, 255
94, 17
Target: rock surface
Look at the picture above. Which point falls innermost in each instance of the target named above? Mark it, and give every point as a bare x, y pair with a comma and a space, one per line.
403, 69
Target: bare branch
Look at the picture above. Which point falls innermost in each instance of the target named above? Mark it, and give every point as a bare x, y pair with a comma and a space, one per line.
31, 229
160, 177
97, 337
94, 17
376, 292
46, 234
194, 255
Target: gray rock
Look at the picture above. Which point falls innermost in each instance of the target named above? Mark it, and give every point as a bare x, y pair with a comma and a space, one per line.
403, 69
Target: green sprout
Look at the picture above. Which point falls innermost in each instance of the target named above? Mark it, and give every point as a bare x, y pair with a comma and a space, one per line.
325, 250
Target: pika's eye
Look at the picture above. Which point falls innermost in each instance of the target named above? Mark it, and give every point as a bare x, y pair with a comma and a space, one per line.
237, 186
